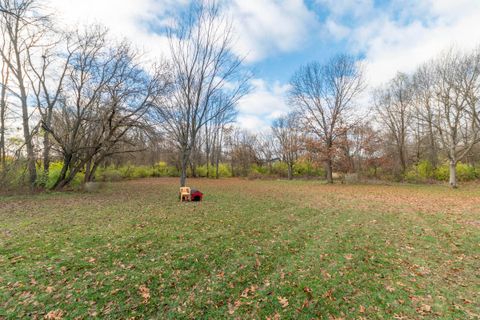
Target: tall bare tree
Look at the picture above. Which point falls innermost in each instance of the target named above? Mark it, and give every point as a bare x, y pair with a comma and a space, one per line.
393, 105
288, 135
106, 95
325, 96
456, 96
423, 94
204, 71
4, 79
23, 26
48, 70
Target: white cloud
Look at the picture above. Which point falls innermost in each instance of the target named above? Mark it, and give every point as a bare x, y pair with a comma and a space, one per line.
263, 104
267, 27
124, 18
406, 33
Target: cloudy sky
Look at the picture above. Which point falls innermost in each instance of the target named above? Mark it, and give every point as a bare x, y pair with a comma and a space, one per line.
278, 36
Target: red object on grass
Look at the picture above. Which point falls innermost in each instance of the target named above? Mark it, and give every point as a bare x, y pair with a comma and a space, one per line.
196, 195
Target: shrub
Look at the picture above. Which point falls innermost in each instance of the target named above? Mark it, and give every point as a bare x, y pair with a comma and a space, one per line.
224, 170
421, 172
109, 173
162, 169
306, 169
142, 172
280, 169
465, 172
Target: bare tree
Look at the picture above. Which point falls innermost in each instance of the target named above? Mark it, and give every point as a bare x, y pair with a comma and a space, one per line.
423, 94
47, 77
4, 79
23, 27
325, 96
215, 133
393, 105
288, 135
455, 113
204, 71
106, 95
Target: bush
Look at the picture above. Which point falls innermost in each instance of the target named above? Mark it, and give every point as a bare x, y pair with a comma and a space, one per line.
465, 172
421, 172
306, 169
224, 170
109, 173
142, 172
280, 169
162, 169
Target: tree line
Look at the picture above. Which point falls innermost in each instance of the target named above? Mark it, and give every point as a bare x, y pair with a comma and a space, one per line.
84, 100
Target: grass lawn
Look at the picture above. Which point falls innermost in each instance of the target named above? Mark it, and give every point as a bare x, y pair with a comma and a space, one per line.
251, 250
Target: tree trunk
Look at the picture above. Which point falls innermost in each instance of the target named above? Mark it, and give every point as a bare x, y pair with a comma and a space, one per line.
3, 106
453, 174
183, 168
31, 166
3, 109
290, 170
46, 154
63, 173
88, 172
329, 169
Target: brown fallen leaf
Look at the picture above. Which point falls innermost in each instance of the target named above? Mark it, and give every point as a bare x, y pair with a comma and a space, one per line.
54, 315
348, 256
283, 301
276, 316
424, 308
145, 293
49, 290
361, 309
257, 263
245, 293
390, 288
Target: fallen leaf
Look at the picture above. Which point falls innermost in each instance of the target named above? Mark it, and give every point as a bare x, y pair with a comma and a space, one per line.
283, 301
361, 309
390, 288
424, 308
348, 256
49, 290
144, 292
257, 263
54, 315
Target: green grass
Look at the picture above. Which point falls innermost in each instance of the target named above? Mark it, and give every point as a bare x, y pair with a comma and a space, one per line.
331, 252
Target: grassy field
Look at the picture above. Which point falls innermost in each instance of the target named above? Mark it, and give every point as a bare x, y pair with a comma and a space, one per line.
251, 250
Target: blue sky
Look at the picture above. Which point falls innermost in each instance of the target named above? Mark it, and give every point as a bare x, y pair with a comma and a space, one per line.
278, 36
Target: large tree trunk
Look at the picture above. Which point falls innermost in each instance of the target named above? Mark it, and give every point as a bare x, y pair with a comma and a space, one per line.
46, 154
63, 172
453, 174
3, 106
31, 165
290, 170
183, 168
329, 170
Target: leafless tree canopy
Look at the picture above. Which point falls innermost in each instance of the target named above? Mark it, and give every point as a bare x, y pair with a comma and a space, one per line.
207, 78
325, 95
